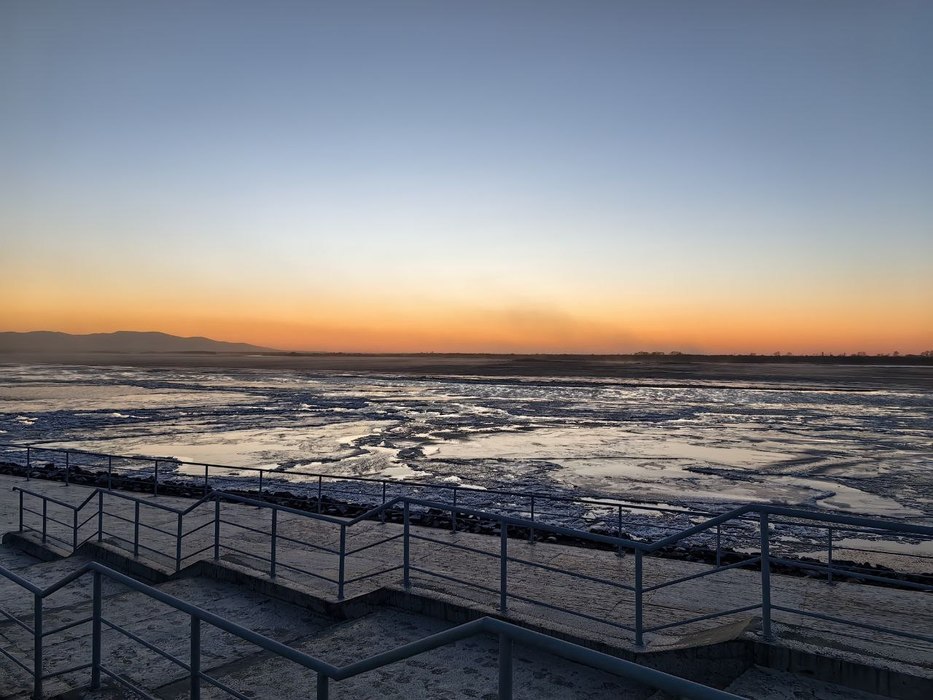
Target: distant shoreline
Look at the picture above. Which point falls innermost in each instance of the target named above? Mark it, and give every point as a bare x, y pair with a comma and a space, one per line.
857, 371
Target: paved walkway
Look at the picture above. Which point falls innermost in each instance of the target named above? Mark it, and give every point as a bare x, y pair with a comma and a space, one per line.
603, 609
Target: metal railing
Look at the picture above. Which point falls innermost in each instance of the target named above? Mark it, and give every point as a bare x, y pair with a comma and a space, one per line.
630, 595
507, 634
611, 513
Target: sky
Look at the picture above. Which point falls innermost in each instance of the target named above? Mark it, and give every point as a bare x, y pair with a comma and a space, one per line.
472, 176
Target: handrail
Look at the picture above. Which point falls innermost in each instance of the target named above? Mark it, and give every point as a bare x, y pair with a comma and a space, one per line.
834, 518
605, 500
763, 561
506, 631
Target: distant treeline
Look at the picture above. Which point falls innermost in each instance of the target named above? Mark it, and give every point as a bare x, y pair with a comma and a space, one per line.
923, 358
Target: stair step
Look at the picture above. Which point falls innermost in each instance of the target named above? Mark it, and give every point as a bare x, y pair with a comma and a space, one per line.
15, 559
466, 669
760, 683
158, 624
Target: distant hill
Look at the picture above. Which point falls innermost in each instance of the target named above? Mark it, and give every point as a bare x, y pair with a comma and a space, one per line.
119, 342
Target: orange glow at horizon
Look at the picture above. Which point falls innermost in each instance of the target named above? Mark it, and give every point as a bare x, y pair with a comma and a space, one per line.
355, 325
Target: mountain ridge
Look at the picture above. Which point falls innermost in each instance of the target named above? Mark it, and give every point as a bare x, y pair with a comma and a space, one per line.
117, 342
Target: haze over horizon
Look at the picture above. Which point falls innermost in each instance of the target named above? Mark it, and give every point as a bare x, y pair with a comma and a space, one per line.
721, 177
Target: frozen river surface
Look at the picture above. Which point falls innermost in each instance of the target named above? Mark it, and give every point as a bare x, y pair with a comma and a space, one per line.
858, 448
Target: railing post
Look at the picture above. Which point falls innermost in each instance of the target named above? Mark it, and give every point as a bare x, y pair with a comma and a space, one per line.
37, 647
136, 531
453, 513
639, 602
406, 548
260, 483
20, 511
765, 577
45, 521
195, 684
28, 462
619, 552
320, 491
96, 633
382, 513
178, 540
323, 686
503, 567
505, 667
205, 480
109, 472
67, 469
719, 545
217, 527
343, 558
155, 479
100, 516
275, 527
829, 559
531, 530
74, 529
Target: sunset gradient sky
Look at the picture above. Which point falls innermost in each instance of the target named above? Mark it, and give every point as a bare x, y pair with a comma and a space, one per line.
471, 176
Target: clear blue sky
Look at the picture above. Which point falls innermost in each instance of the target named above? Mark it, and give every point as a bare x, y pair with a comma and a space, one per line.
576, 175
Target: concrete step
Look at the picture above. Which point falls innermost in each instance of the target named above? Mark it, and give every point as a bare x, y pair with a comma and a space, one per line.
158, 624
760, 683
466, 669
15, 559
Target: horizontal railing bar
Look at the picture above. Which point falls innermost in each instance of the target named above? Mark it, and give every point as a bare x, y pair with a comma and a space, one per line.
19, 580
12, 618
200, 551
574, 574
167, 533
568, 611
49, 536
141, 501
374, 544
419, 570
62, 672
152, 647
19, 663
43, 497
837, 518
850, 623
841, 571
68, 526
233, 523
199, 527
67, 626
396, 483
139, 544
279, 564
374, 573
226, 688
303, 543
283, 509
108, 514
880, 551
406, 651
454, 545
716, 570
521, 523
710, 616
127, 684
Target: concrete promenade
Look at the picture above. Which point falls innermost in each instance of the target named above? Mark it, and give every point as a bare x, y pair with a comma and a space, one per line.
603, 609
